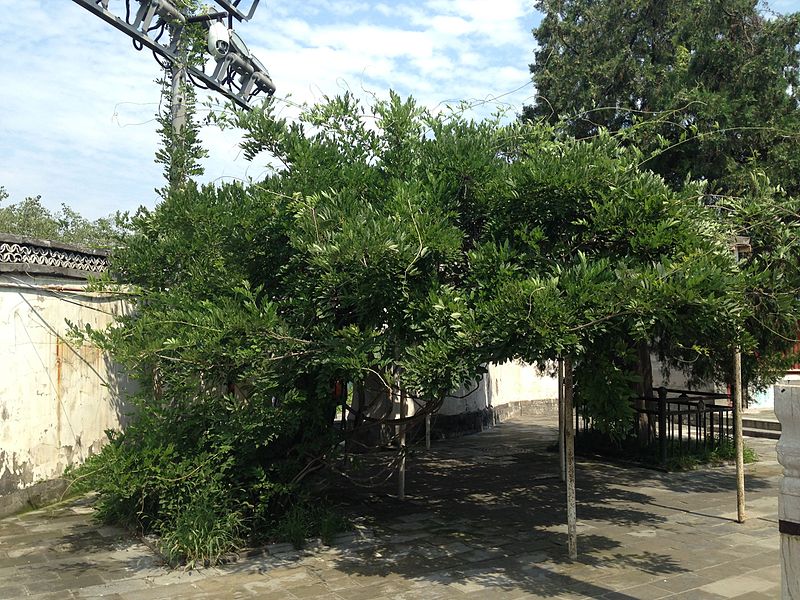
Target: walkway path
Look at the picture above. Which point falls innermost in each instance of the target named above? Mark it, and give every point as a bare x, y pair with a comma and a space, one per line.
483, 520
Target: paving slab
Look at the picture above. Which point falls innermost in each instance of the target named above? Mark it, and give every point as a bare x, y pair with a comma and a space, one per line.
483, 518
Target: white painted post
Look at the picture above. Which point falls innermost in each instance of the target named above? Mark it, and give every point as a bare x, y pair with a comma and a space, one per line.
787, 409
737, 434
561, 457
569, 443
401, 474
739, 245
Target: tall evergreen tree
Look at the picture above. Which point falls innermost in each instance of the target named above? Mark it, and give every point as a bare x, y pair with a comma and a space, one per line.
708, 88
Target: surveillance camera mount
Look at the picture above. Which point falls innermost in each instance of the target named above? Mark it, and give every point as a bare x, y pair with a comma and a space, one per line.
254, 78
232, 8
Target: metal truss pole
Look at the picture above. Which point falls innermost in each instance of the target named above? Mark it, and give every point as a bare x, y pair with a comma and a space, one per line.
239, 64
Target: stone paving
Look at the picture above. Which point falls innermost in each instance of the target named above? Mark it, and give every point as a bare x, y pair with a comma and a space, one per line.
483, 519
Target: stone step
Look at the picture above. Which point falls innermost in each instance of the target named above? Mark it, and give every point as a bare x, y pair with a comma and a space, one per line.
765, 424
761, 433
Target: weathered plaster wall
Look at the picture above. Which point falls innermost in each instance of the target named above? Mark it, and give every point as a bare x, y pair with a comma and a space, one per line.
504, 383
56, 399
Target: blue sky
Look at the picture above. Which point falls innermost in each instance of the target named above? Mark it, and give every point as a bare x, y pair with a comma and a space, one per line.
78, 101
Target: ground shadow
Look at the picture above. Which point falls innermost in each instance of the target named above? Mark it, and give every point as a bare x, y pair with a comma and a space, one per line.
489, 512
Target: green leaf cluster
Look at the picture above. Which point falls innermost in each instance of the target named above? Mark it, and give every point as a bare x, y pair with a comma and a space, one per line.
707, 89
30, 218
415, 247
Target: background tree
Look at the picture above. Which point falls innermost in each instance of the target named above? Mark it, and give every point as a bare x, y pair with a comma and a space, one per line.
709, 89
706, 90
31, 218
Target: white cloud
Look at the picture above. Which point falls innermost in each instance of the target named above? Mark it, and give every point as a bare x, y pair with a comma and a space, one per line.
79, 101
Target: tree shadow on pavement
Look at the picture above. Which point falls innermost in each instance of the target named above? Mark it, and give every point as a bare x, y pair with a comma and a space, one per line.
493, 518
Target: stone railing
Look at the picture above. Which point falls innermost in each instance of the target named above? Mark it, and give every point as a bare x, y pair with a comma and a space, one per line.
787, 409
29, 255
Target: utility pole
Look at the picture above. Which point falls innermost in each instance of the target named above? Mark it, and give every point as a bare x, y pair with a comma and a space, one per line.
179, 82
235, 72
178, 98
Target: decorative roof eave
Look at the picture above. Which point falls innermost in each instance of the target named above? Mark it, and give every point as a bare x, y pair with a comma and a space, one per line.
19, 254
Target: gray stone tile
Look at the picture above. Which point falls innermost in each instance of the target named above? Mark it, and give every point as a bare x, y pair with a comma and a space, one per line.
639, 592
737, 585
484, 519
11, 591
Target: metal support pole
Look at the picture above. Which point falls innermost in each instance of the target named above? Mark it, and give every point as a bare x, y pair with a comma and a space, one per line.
561, 456
138, 31
569, 442
401, 473
178, 99
662, 424
737, 434
428, 431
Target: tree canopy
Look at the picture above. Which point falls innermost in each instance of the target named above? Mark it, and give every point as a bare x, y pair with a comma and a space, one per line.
31, 218
708, 89
414, 248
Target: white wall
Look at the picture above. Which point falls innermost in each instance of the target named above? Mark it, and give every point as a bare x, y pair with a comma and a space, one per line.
512, 381
56, 399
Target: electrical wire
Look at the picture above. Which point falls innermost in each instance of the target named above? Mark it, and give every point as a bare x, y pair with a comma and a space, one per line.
197, 83
63, 295
163, 63
162, 29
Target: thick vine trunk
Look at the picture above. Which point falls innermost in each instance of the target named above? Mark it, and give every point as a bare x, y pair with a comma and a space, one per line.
370, 401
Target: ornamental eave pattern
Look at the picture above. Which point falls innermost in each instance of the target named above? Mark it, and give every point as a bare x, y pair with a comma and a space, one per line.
30, 255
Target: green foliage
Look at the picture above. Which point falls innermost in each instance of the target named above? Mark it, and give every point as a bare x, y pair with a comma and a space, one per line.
717, 455
306, 519
707, 89
181, 152
158, 486
602, 386
414, 247
254, 301
31, 218
703, 90
202, 532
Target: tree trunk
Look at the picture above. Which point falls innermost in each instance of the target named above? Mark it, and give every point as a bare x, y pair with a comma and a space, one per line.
371, 401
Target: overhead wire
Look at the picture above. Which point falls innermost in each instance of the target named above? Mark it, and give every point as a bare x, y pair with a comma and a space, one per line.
136, 44
197, 83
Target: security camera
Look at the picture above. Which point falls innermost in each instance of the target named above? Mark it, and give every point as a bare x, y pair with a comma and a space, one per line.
219, 40
238, 45
261, 77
